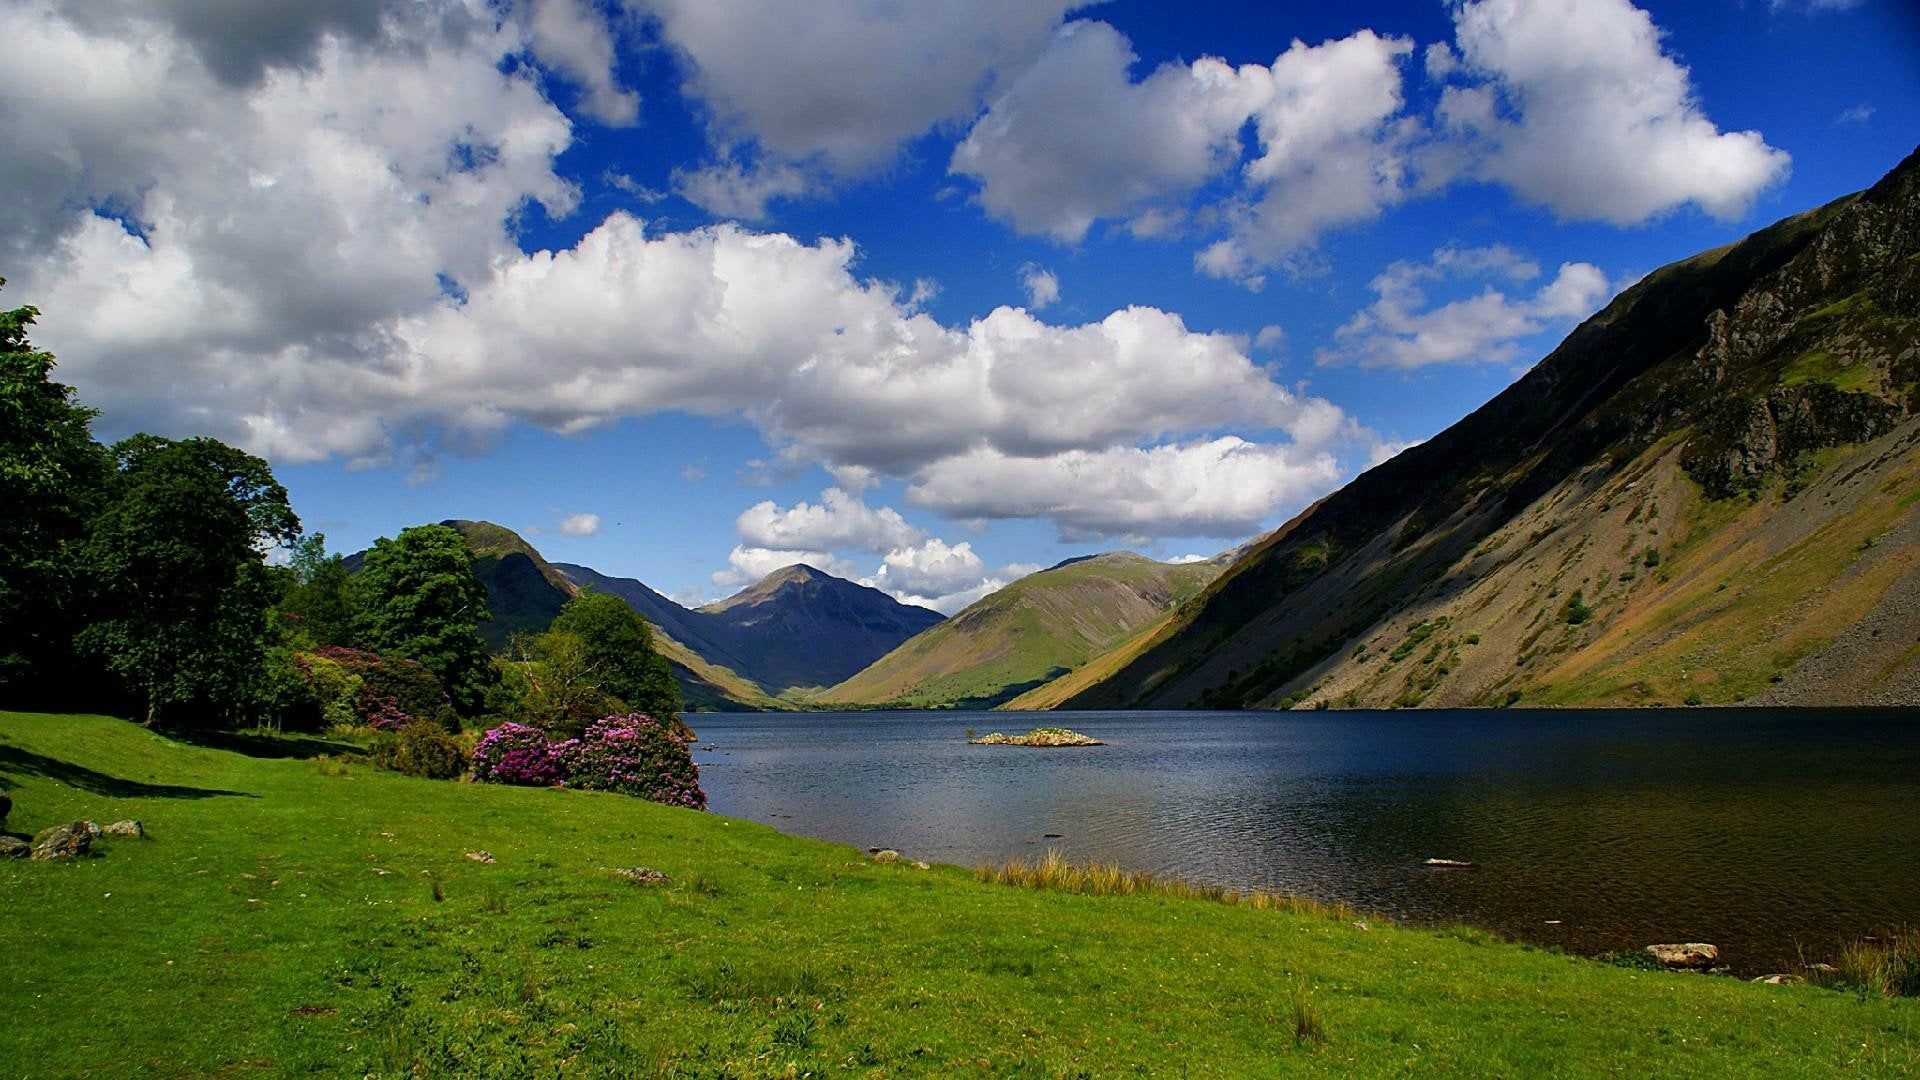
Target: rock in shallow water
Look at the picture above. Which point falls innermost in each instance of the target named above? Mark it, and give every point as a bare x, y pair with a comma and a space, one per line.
1691, 956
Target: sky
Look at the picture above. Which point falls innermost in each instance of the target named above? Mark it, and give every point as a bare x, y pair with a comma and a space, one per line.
929, 295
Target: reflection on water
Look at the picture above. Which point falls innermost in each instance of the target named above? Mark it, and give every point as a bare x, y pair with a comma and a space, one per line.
1759, 830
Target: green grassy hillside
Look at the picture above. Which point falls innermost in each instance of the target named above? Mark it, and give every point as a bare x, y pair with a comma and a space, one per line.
289, 916
1033, 630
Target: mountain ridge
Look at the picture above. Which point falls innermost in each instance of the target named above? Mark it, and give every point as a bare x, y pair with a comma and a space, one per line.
1024, 634
1717, 421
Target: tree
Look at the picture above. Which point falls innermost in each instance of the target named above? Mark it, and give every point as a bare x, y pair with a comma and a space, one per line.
318, 602
178, 573
561, 684
52, 477
618, 645
416, 597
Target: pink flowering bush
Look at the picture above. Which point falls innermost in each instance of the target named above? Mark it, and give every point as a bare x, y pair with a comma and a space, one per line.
633, 754
636, 755
518, 754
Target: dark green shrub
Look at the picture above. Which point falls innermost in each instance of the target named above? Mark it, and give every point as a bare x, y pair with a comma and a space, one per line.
1576, 611
392, 692
421, 749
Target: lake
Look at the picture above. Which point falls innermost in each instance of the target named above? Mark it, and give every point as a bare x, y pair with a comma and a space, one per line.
1765, 831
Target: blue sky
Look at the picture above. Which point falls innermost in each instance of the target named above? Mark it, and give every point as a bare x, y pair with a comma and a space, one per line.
928, 295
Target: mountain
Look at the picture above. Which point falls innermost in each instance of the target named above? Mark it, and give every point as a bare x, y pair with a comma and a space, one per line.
694, 629
1709, 493
525, 592
800, 627
1039, 627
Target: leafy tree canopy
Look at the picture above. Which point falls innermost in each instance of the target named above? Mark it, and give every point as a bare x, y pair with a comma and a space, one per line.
416, 596
317, 607
52, 475
176, 558
618, 645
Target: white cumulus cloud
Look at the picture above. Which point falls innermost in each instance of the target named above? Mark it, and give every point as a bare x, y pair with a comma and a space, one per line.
1400, 330
1223, 487
1576, 105
311, 249
1042, 286
845, 83
1073, 139
578, 525
571, 37
839, 521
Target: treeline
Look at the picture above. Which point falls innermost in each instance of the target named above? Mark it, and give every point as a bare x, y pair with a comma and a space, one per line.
136, 578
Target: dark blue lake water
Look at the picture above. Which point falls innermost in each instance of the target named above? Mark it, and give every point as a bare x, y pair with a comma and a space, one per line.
1763, 831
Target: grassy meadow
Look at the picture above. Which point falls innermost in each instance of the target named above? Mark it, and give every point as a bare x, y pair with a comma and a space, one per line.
291, 914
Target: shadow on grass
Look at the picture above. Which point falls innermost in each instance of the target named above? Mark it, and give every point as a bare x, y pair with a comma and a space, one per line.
264, 744
17, 761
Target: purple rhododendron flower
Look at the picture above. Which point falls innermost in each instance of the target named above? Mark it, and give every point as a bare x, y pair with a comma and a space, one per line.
633, 754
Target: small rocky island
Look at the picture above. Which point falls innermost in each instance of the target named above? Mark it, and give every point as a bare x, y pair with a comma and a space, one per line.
1040, 736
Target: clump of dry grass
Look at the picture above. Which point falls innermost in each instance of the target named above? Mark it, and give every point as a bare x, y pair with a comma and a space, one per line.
1887, 967
1307, 1025
1053, 872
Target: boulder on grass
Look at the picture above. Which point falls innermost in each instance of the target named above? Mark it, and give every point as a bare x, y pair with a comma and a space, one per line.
67, 841
886, 855
12, 847
128, 828
1691, 956
642, 875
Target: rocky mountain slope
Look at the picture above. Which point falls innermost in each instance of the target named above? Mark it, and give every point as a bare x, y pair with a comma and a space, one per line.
801, 627
1033, 630
1706, 494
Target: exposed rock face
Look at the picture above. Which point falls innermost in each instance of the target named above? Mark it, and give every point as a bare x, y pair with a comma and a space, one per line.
65, 841
129, 828
1692, 956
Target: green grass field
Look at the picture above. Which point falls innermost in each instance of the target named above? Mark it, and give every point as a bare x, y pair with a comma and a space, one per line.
290, 915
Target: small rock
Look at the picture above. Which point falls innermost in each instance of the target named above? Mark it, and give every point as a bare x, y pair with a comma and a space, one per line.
642, 875
64, 841
12, 847
480, 856
886, 855
1692, 956
129, 828
922, 866
1779, 980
